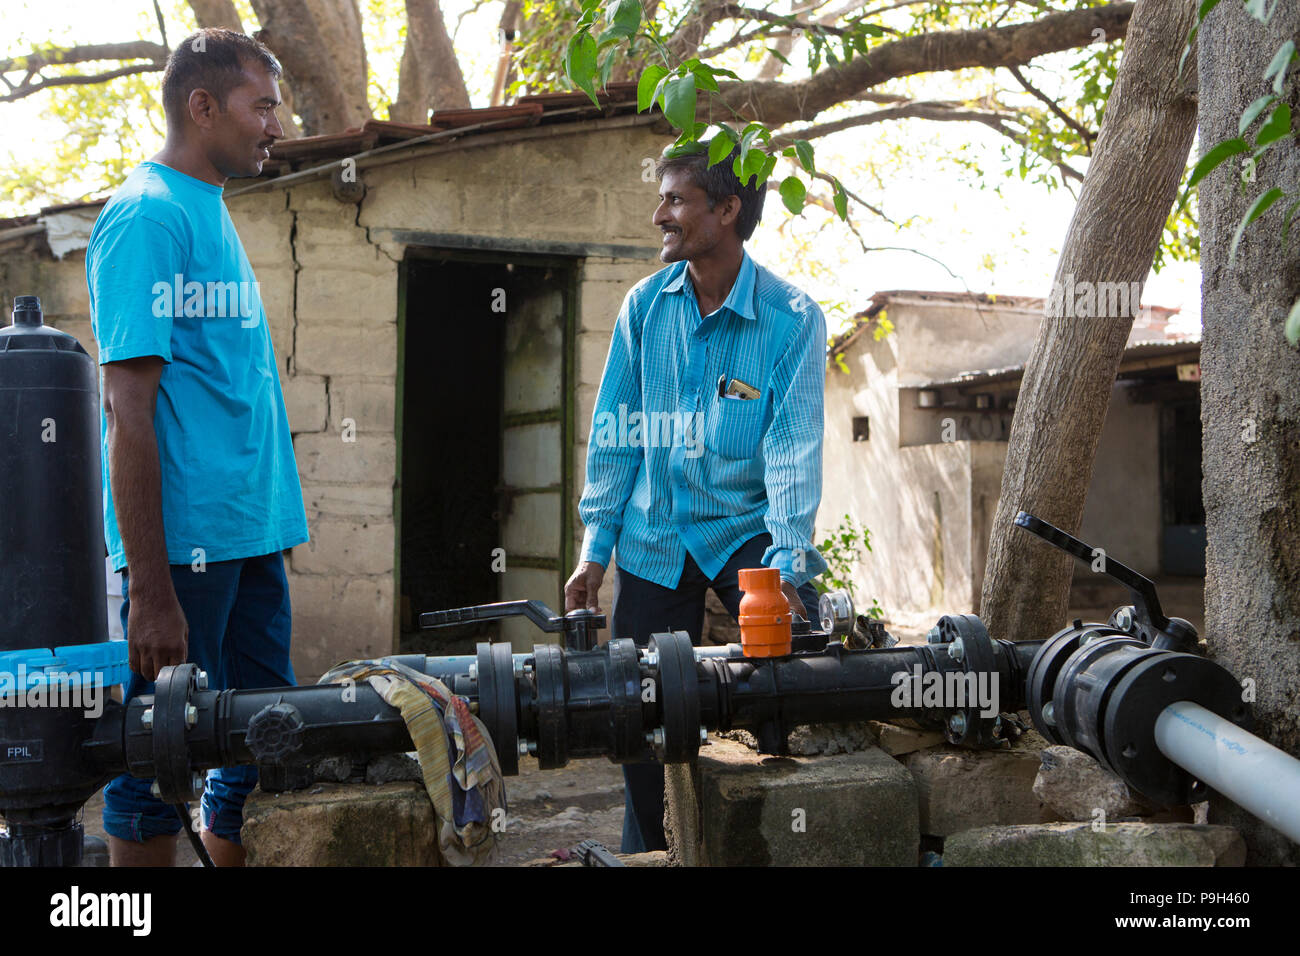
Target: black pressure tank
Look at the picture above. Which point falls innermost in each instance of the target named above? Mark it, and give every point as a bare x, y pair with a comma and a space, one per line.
52, 591
51, 508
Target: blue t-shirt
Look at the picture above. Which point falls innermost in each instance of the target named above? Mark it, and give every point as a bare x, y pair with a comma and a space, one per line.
168, 277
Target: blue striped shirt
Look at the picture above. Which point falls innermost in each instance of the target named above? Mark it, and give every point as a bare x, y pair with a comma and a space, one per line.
672, 466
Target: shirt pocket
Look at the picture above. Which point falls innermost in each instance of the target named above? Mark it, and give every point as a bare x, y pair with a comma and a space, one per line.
734, 428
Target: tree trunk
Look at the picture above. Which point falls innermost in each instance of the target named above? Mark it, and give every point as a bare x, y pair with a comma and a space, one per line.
430, 76
1131, 184
323, 52
1250, 404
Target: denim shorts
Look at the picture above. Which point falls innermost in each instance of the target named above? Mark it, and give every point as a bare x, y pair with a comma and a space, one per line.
239, 625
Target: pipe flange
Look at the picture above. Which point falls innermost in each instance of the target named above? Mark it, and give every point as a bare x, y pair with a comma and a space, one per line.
173, 690
966, 635
497, 702
623, 681
552, 717
1040, 680
1130, 721
679, 702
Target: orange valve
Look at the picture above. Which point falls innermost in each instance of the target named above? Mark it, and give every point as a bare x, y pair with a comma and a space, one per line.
764, 614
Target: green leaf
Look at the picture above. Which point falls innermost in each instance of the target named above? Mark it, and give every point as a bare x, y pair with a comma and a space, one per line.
777, 53
1253, 111
1292, 328
1287, 217
840, 200
793, 193
1258, 10
1220, 152
1278, 125
704, 77
769, 164
624, 20
648, 86
755, 160
1281, 60
606, 68
679, 101
720, 146
580, 63
1206, 7
804, 150
1257, 209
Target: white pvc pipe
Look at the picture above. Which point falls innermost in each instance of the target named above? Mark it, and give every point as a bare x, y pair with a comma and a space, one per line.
1249, 772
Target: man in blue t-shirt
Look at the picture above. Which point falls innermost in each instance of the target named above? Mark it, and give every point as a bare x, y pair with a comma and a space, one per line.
201, 492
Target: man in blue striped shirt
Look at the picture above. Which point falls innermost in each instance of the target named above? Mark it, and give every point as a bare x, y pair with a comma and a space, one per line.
705, 453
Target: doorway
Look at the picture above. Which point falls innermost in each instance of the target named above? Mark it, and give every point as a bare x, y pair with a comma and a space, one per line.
484, 499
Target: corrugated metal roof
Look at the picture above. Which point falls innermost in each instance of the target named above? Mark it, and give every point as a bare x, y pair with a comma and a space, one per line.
1135, 353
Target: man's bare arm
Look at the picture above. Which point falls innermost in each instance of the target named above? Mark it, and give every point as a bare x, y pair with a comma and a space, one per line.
157, 632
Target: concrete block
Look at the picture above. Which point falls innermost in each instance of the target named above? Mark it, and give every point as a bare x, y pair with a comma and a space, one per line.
1075, 787
557, 211
339, 546
337, 618
583, 412
629, 271
530, 455
1078, 844
433, 204
349, 500
346, 349
306, 401
371, 459
599, 303
961, 789
61, 286
845, 810
534, 525
355, 296
593, 350
370, 405
342, 825
898, 741
264, 225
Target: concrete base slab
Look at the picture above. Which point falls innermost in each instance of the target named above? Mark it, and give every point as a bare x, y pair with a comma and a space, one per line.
1079, 844
341, 825
857, 809
962, 789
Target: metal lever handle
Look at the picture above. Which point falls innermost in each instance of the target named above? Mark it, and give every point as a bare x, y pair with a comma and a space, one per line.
1145, 602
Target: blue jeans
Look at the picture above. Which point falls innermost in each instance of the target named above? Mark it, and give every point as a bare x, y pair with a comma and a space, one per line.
642, 608
239, 624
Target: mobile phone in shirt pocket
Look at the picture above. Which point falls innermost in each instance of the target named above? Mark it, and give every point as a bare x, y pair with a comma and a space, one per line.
734, 427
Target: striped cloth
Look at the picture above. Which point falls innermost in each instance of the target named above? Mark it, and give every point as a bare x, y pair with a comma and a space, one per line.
457, 758
672, 466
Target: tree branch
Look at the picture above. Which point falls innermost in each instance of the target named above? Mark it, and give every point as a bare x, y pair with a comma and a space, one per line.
777, 103
27, 88
931, 110
50, 56
1070, 121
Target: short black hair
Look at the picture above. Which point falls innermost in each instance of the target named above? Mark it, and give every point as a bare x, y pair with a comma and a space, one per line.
720, 181
212, 59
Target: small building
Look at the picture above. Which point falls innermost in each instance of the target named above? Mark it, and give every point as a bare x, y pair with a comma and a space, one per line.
916, 439
441, 300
